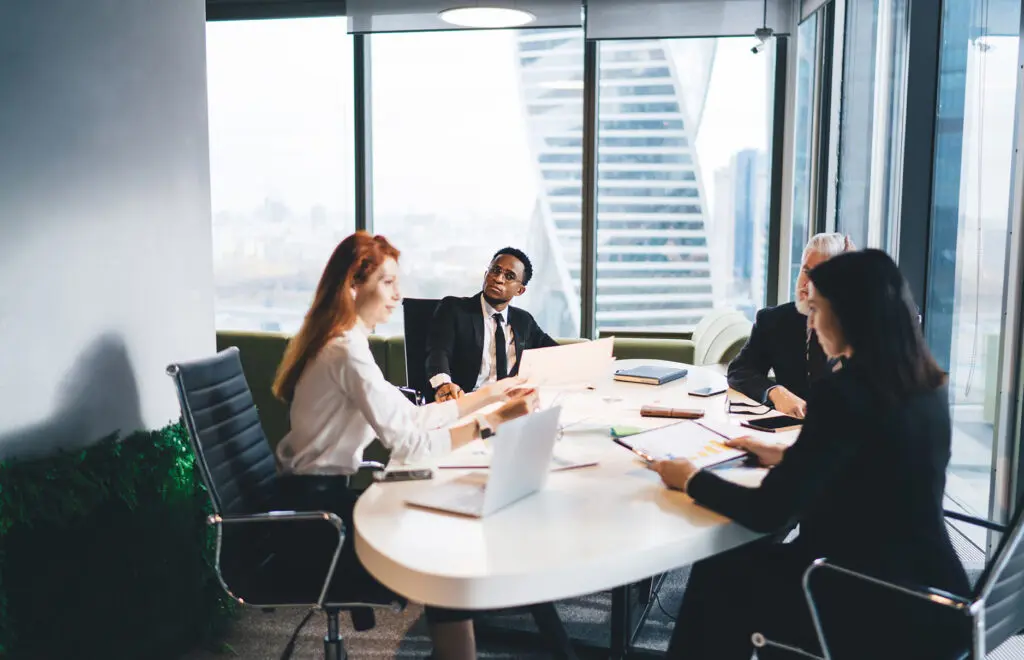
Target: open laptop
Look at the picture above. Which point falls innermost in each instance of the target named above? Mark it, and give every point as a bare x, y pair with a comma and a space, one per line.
520, 463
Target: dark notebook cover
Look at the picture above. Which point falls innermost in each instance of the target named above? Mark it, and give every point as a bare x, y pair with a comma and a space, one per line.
653, 374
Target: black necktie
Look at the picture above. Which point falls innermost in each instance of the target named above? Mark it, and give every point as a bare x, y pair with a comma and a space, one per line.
500, 355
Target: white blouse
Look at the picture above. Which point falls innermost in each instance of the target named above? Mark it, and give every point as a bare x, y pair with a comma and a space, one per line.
342, 402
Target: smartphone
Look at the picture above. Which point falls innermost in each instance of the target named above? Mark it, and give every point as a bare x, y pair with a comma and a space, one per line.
707, 391
774, 424
403, 475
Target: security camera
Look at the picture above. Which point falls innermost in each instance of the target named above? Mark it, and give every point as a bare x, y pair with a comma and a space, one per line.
763, 35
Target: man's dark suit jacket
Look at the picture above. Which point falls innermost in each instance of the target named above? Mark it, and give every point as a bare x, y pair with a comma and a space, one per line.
455, 344
778, 341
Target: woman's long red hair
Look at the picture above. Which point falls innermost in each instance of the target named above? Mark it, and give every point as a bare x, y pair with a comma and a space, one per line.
333, 310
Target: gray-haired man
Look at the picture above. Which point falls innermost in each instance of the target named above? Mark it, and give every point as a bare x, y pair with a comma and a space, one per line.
780, 341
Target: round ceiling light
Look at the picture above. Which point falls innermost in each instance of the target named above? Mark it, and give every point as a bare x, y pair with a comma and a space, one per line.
486, 17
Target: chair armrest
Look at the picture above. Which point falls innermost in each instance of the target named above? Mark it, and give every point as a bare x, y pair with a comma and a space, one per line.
936, 596
977, 522
272, 516
333, 519
413, 395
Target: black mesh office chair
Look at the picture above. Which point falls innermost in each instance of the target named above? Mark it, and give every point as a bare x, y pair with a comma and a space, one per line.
264, 557
995, 609
417, 314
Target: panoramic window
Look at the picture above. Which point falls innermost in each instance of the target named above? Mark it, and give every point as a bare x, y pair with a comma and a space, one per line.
281, 153
683, 172
472, 154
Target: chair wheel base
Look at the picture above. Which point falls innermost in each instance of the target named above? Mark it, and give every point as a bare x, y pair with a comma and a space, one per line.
334, 649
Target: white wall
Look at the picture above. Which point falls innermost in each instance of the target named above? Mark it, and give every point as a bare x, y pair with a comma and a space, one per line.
105, 252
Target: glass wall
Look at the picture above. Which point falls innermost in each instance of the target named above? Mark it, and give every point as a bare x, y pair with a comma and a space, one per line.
871, 120
967, 250
804, 142
281, 164
683, 181
477, 145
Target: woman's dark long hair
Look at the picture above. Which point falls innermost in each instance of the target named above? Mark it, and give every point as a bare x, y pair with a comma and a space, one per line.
878, 317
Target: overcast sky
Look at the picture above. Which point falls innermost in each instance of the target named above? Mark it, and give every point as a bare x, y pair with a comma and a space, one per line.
448, 124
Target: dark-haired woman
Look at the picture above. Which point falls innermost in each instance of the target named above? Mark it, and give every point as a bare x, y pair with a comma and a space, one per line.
864, 480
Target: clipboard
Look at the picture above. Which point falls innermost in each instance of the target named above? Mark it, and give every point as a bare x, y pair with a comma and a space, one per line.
689, 440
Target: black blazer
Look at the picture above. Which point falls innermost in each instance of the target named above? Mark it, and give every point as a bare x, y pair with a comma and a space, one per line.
865, 481
455, 344
778, 341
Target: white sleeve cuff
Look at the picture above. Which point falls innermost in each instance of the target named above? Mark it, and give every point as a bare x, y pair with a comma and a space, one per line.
440, 442
439, 380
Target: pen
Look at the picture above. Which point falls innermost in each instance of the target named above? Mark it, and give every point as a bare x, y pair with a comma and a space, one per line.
718, 433
708, 428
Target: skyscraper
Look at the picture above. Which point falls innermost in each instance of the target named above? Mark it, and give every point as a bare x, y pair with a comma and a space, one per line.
653, 260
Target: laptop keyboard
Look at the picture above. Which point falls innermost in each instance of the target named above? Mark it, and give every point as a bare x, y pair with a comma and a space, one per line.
464, 498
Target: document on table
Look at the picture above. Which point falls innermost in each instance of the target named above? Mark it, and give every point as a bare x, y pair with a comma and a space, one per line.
586, 362
689, 440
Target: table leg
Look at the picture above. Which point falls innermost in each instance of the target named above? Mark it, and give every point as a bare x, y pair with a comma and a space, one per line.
621, 614
553, 630
623, 628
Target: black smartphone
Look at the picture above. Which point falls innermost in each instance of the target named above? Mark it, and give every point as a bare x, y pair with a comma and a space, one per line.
707, 391
403, 475
774, 424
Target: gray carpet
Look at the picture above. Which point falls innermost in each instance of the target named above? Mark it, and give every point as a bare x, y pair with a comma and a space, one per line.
261, 636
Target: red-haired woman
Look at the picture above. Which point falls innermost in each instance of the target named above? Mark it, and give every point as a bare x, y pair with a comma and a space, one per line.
340, 400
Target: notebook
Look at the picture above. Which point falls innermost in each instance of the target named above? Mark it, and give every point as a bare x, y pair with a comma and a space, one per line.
650, 374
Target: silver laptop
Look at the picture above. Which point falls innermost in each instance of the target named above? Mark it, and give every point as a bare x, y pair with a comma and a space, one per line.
520, 463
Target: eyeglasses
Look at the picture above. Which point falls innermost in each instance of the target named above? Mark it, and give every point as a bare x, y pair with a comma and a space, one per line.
498, 271
746, 408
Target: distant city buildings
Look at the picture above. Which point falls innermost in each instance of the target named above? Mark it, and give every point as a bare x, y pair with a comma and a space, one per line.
739, 231
666, 255
654, 270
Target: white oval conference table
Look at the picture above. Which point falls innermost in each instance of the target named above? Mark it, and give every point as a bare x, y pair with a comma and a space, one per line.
590, 529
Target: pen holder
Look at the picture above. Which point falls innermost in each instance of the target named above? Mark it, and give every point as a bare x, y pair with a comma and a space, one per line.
674, 413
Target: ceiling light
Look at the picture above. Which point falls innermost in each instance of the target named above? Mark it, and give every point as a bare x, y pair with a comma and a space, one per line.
486, 17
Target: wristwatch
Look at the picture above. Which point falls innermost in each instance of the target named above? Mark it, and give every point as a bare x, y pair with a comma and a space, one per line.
484, 427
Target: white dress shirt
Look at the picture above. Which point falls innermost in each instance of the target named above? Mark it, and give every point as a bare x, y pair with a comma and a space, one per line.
488, 367
342, 402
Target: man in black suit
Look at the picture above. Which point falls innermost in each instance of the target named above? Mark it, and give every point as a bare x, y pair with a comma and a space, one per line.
781, 341
465, 332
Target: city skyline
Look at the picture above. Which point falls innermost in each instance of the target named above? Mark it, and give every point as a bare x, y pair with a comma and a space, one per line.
464, 159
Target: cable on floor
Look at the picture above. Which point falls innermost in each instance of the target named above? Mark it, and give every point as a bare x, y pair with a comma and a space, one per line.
289, 648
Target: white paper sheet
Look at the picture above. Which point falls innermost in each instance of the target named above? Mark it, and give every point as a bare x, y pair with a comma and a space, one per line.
572, 364
685, 440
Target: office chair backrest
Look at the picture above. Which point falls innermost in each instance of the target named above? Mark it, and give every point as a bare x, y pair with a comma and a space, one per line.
710, 333
233, 455
417, 313
1001, 586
